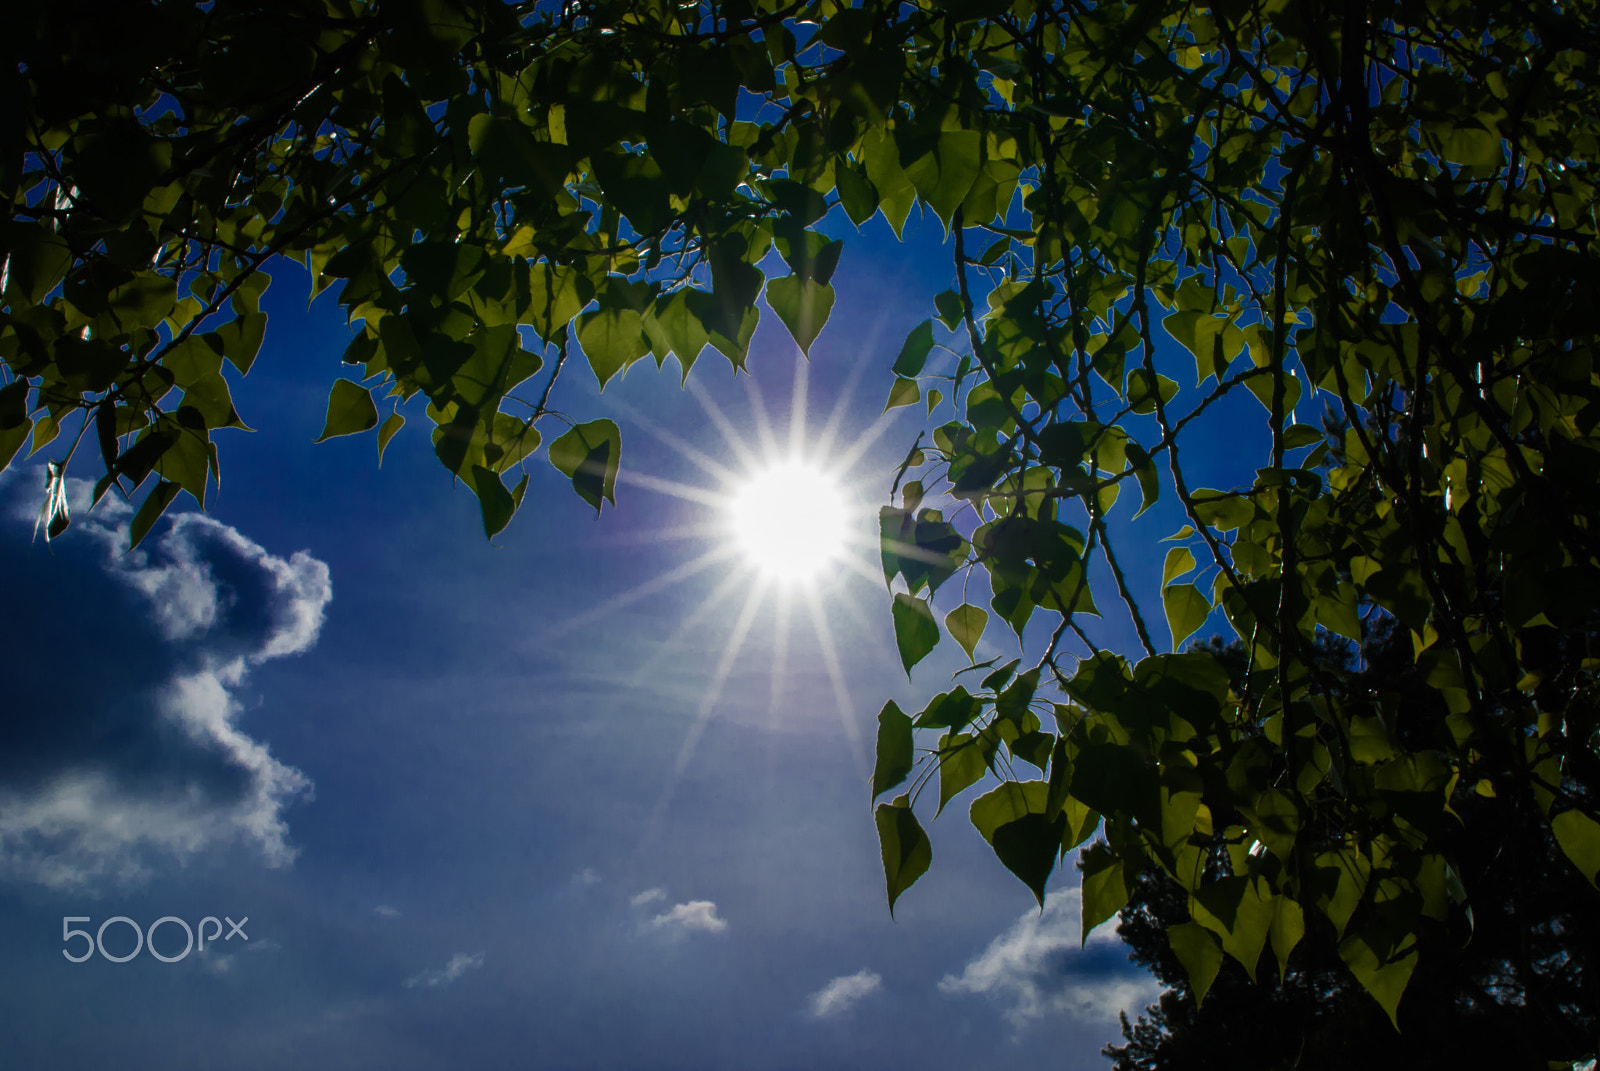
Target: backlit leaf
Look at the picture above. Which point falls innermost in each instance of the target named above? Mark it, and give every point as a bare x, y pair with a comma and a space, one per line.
1579, 837
803, 306
915, 631
914, 351
150, 511
612, 339
905, 848
966, 624
590, 455
391, 424
1200, 955
894, 754
1382, 968
903, 392
1187, 609
962, 764
350, 410
1012, 819
1105, 889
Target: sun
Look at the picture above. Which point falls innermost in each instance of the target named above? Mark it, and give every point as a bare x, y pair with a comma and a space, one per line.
791, 521
783, 528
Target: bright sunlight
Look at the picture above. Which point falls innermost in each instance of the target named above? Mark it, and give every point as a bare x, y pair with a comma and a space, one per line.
790, 521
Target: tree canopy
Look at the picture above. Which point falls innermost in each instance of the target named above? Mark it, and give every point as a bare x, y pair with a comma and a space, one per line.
1387, 208
1510, 983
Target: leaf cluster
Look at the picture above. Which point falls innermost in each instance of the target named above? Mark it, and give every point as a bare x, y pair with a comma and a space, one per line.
1158, 213
1386, 211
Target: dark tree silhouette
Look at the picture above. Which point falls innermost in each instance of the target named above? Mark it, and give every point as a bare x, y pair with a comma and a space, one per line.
1510, 980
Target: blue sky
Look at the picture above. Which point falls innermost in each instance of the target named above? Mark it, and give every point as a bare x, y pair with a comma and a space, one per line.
487, 805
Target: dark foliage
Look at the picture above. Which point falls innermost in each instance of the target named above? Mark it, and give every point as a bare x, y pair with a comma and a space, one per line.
1512, 980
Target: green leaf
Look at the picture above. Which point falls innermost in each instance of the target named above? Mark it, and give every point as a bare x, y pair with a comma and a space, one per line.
1579, 837
1339, 611
856, 194
1063, 445
1012, 819
895, 192
150, 511
894, 751
506, 149
903, 392
1297, 435
906, 850
915, 631
1105, 889
735, 347
962, 763
803, 306
1143, 390
949, 710
239, 340
612, 339
1144, 470
951, 311
1262, 387
1197, 331
1382, 968
38, 260
350, 410
1288, 927
944, 175
1239, 910
675, 325
1200, 955
1276, 822
1179, 561
1369, 740
1081, 822
188, 458
966, 624
494, 501
1340, 878
590, 455
555, 296
914, 351
393, 423
1187, 609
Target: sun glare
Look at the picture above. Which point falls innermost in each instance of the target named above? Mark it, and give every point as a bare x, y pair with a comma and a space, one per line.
785, 504
791, 521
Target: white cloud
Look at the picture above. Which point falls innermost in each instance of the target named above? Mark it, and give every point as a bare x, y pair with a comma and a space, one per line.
1025, 965
686, 918
112, 761
586, 878
459, 964
384, 911
839, 995
649, 896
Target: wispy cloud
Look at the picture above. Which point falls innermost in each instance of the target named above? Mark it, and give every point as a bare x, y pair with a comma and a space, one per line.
384, 911
459, 964
1037, 966
123, 739
696, 915
839, 995
586, 878
649, 896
